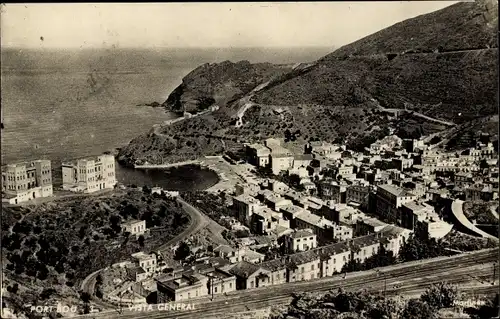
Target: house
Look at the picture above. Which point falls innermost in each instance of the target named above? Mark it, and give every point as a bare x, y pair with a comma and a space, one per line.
136, 273
302, 160
22, 182
89, 175
300, 240
187, 286
277, 271
146, 261
394, 237
280, 162
135, 227
303, 266
219, 281
334, 258
245, 206
364, 247
236, 255
332, 190
357, 194
249, 275
421, 218
258, 155
388, 200
369, 225
481, 192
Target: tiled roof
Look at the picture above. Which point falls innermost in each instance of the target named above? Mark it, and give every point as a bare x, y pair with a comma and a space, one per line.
396, 191
244, 269
301, 233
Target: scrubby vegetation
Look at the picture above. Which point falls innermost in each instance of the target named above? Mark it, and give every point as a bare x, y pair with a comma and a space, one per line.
364, 305
58, 244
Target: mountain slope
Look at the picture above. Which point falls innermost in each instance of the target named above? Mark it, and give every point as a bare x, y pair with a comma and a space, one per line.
441, 65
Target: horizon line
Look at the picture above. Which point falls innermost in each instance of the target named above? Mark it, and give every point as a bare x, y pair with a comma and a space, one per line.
167, 47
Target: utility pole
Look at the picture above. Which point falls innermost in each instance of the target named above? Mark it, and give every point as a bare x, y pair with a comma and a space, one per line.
494, 273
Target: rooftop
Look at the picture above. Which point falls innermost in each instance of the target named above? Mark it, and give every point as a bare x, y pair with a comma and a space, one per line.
394, 190
302, 233
244, 269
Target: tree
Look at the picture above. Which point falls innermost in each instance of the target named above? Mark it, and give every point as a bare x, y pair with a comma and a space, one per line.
85, 297
421, 248
146, 189
441, 295
182, 252
140, 240
417, 309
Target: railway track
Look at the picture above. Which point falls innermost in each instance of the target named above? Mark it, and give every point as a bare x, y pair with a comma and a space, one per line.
403, 278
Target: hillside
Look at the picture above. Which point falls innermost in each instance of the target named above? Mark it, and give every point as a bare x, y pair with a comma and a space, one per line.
441, 65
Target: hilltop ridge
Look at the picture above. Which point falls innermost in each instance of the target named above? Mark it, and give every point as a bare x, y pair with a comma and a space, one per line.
441, 65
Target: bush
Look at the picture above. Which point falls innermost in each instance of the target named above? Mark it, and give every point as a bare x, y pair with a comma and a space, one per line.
439, 296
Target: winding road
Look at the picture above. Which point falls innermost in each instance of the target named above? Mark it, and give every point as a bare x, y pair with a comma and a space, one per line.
197, 221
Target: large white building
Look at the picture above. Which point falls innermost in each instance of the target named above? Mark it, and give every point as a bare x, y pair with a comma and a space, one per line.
89, 175
26, 181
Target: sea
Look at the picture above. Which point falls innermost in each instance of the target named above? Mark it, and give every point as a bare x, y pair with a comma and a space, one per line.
71, 103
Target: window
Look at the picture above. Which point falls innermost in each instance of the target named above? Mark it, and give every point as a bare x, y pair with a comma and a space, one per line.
302, 269
189, 295
215, 289
251, 284
312, 267
230, 285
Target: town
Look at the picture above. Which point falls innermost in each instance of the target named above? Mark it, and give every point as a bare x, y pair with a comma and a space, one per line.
296, 215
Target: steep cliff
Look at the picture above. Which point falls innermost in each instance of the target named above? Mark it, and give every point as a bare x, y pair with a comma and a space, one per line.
441, 66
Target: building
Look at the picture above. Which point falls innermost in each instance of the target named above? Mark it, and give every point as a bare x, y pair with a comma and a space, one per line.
249, 276
89, 175
481, 192
331, 190
258, 155
369, 225
421, 218
357, 194
146, 261
245, 206
280, 162
402, 163
389, 199
22, 182
219, 281
185, 287
302, 160
300, 240
135, 227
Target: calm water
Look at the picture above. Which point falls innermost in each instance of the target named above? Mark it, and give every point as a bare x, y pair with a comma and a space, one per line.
67, 104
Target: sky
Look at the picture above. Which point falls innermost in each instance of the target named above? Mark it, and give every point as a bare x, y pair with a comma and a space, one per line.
149, 25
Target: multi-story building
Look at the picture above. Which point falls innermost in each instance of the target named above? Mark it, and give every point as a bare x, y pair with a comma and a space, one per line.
389, 199
26, 181
481, 192
245, 206
300, 240
89, 175
280, 162
331, 190
219, 281
185, 287
302, 160
258, 155
421, 218
358, 194
146, 261
135, 227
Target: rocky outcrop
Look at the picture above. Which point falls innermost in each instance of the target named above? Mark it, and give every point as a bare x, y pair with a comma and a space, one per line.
219, 84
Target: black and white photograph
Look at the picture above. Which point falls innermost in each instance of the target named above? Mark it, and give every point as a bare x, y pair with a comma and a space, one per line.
250, 160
